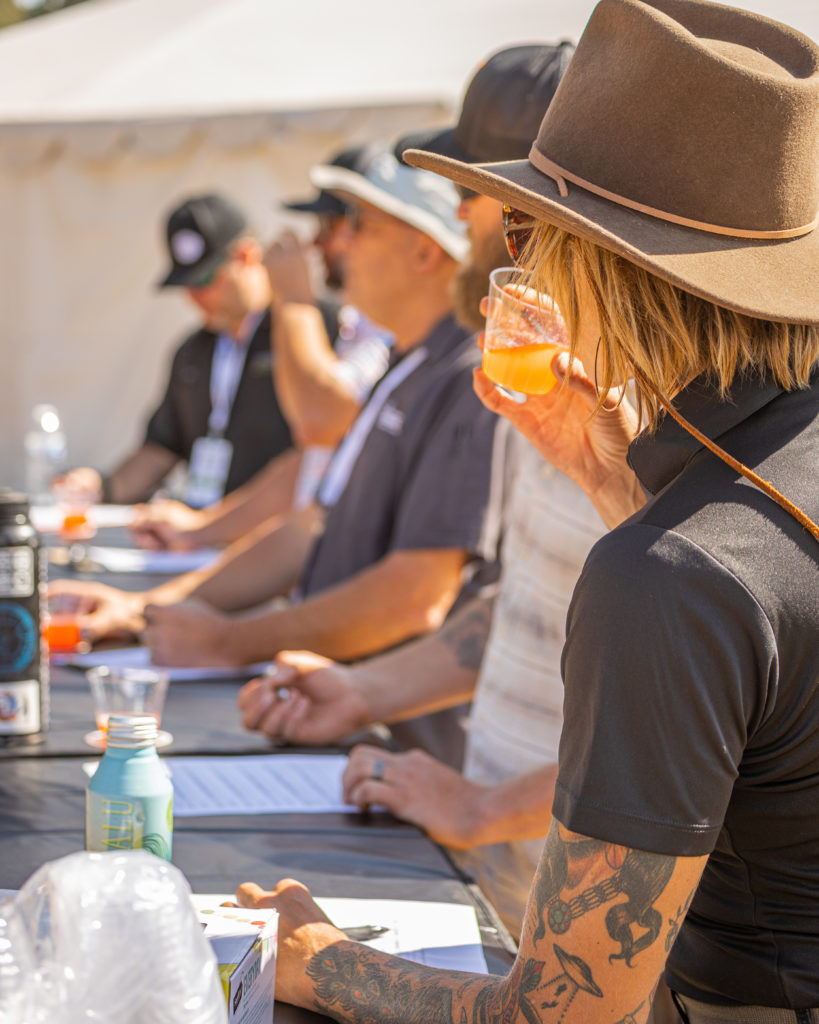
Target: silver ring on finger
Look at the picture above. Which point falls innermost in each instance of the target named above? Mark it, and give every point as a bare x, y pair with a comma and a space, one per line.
378, 770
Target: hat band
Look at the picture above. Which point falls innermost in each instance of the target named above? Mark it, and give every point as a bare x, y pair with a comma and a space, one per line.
561, 176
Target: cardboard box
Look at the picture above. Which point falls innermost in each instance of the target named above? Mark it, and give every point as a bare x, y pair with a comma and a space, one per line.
244, 942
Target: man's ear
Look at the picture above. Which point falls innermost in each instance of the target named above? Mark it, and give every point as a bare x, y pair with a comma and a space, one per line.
247, 250
428, 256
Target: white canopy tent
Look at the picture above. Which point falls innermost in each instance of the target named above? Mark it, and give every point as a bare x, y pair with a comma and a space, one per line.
112, 110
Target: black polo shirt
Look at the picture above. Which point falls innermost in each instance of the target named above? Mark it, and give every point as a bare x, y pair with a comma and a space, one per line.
425, 476
691, 672
257, 428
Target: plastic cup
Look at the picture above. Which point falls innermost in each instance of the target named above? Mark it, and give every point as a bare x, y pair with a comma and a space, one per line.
63, 635
128, 691
524, 330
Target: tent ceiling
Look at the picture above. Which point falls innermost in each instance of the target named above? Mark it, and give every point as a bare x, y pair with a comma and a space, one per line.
143, 60
116, 59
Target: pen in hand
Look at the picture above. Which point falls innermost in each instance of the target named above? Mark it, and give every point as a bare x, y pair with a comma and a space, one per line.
365, 932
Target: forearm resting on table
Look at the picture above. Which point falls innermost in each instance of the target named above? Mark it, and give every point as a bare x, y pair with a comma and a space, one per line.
264, 564
405, 594
316, 401
436, 671
520, 808
600, 920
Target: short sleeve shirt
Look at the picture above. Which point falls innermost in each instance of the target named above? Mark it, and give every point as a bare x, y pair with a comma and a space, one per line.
257, 428
425, 476
691, 673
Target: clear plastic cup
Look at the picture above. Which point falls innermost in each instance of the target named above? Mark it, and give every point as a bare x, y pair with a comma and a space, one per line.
524, 331
129, 691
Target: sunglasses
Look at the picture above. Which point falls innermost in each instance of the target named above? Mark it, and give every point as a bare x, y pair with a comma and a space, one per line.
517, 230
207, 279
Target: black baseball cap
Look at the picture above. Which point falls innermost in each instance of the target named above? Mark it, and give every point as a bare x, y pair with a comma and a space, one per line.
502, 108
353, 158
199, 234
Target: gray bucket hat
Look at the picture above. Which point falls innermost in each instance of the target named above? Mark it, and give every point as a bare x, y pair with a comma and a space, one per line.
423, 200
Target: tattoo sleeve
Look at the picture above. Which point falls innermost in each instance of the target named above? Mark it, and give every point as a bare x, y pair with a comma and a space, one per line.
596, 911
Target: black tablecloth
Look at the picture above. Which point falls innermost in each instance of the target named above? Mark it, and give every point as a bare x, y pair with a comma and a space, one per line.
42, 809
42, 813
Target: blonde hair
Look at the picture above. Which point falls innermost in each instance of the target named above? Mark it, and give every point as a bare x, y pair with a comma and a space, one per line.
658, 334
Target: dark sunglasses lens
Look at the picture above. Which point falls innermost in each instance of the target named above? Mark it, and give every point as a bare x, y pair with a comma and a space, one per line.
207, 279
517, 229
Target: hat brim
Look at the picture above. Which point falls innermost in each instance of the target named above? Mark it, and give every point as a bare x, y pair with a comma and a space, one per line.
768, 279
324, 203
441, 142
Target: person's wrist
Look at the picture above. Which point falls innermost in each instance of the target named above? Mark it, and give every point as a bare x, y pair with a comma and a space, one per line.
134, 611
368, 692
480, 808
618, 497
244, 641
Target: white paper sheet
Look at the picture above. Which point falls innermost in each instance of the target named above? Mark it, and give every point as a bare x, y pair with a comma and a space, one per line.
49, 518
140, 657
435, 934
442, 935
138, 560
272, 784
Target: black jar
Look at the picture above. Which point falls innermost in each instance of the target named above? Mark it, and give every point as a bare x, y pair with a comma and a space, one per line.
23, 666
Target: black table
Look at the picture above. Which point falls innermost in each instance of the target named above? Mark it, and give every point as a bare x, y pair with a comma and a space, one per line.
42, 793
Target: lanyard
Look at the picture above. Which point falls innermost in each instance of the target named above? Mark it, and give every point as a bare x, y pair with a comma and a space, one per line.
341, 467
229, 357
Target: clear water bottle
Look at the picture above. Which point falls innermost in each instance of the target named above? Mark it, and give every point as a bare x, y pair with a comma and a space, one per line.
129, 800
23, 666
45, 453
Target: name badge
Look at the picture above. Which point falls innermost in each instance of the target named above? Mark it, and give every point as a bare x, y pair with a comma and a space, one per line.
208, 470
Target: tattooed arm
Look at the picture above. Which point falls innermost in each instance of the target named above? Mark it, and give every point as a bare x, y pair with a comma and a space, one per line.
313, 700
600, 922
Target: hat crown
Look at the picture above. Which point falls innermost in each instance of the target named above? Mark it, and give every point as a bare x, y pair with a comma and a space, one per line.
419, 198
199, 232
695, 110
506, 99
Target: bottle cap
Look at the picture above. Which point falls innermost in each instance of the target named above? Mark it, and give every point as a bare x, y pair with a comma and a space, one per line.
131, 731
13, 503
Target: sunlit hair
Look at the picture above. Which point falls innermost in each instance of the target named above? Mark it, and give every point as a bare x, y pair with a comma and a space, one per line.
658, 334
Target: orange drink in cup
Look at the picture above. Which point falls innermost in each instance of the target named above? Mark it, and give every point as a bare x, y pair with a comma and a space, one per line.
524, 331
63, 635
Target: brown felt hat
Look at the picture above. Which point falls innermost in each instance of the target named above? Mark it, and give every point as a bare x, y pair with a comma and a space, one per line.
684, 135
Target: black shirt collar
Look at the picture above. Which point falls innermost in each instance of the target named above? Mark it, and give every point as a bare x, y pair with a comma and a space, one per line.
659, 457
446, 335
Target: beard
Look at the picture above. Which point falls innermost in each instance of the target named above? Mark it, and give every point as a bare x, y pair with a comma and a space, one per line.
471, 281
334, 275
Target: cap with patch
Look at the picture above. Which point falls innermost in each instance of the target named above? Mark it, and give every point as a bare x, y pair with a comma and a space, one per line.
424, 201
199, 234
502, 108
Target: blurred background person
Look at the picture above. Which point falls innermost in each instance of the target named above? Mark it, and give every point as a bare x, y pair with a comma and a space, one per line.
410, 509
321, 379
219, 412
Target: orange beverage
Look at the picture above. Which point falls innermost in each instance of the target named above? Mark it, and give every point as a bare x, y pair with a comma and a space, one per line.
526, 368
62, 633
77, 526
524, 331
